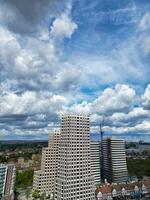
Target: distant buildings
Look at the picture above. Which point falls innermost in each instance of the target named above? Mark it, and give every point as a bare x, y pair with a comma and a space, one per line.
71, 164
7, 181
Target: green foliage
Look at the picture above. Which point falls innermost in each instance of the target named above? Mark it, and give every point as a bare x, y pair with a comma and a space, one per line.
43, 196
3, 159
14, 157
24, 178
22, 145
12, 151
138, 167
131, 145
35, 194
146, 153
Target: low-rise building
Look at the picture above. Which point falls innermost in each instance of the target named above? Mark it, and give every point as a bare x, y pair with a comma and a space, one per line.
130, 190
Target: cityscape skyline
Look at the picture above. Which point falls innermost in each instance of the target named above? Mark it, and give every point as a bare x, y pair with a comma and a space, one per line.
89, 57
73, 167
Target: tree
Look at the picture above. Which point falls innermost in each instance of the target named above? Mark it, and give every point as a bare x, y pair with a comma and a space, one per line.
36, 194
43, 196
24, 178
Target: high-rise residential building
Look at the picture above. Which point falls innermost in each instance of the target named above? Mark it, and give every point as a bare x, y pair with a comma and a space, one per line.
114, 160
95, 162
45, 179
7, 181
2, 179
74, 179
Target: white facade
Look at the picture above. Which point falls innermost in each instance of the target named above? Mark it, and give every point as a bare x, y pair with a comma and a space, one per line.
7, 181
95, 162
74, 180
114, 160
3, 172
45, 179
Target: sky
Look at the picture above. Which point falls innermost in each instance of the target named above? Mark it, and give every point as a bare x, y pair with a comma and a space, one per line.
86, 57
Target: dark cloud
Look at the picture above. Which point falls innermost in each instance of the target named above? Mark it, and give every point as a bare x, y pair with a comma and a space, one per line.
26, 16
12, 118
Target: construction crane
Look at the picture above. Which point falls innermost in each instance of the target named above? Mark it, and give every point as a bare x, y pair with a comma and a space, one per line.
101, 128
101, 133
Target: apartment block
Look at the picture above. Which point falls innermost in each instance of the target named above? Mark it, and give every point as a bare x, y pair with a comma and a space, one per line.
74, 178
45, 179
114, 160
95, 162
7, 181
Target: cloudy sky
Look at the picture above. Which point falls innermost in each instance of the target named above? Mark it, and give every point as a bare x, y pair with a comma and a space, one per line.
86, 56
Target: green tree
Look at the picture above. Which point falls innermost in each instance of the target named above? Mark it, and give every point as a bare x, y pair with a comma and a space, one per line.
24, 178
43, 196
36, 194
138, 167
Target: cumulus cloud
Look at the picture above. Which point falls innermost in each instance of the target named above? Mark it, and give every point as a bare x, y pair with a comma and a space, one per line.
138, 128
29, 112
110, 100
117, 107
35, 66
40, 78
146, 98
26, 17
28, 60
63, 27
33, 63
135, 115
117, 99
30, 103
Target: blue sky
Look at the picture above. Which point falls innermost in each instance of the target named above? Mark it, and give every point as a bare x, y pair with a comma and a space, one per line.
86, 56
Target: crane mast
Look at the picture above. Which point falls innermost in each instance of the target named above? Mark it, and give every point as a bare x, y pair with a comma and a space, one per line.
101, 148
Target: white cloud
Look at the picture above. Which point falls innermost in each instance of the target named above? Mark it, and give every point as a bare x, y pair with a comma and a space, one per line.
117, 106
39, 81
144, 24
66, 79
110, 100
5, 36
138, 112
117, 99
144, 126
146, 98
63, 26
31, 103
138, 128
26, 60
81, 108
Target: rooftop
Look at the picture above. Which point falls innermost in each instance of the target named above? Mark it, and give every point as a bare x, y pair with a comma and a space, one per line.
108, 188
